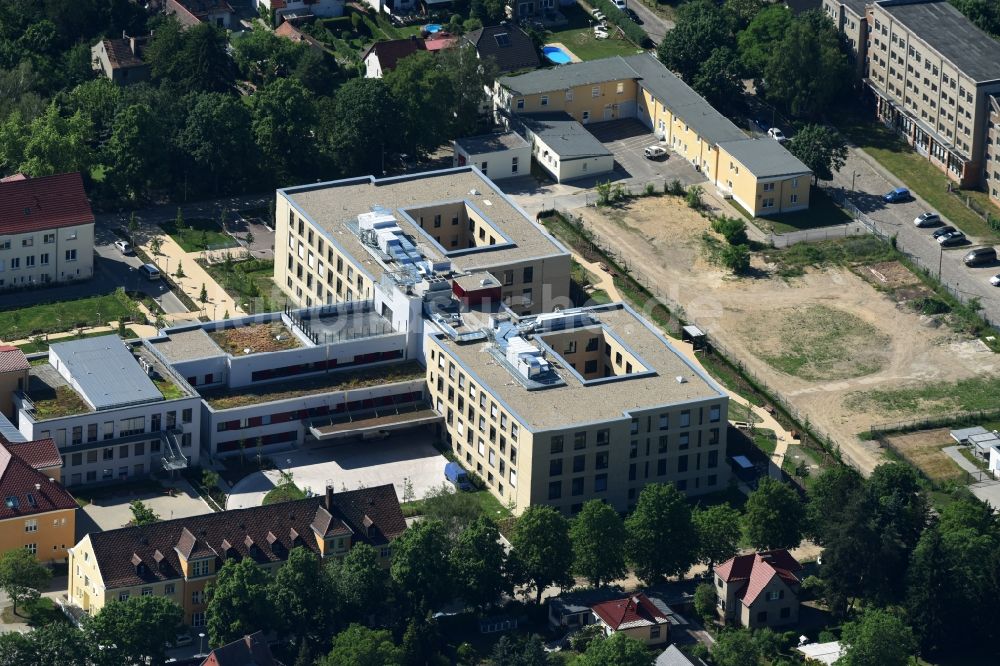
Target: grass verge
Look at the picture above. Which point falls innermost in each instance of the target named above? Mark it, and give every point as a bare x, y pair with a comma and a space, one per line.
59, 316
286, 492
198, 234
249, 281
823, 212
40, 345
38, 614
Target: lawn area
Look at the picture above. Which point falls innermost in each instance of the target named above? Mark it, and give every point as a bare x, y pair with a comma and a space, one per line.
922, 177
59, 316
922, 449
740, 412
765, 440
973, 394
42, 612
43, 345
286, 492
198, 234
823, 212
792, 261
246, 281
488, 505
578, 36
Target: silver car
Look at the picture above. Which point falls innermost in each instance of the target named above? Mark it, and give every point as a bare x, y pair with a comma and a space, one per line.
927, 220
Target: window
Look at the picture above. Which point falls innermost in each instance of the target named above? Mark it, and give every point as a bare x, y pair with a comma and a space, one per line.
714, 413
544, 101
600, 483
168, 588
768, 203
199, 568
685, 418
513, 166
520, 103
555, 490
197, 619
620, 88
555, 467
580, 440
31, 525
27, 242
774, 595
601, 460
70, 255
579, 463
485, 168
577, 488
147, 591
785, 613
682, 464
654, 632
590, 367
762, 617
529, 275
793, 198
664, 421
123, 595
595, 91
186, 416
556, 444
569, 94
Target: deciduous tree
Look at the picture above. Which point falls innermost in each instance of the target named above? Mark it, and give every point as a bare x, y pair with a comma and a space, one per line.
22, 577
661, 538
134, 631
303, 598
773, 516
735, 647
718, 530
877, 638
543, 553
420, 568
479, 563
821, 149
141, 513
617, 650
701, 27
237, 602
598, 537
360, 646
360, 581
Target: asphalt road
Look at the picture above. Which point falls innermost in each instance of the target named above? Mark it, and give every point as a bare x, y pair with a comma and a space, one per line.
870, 183
654, 25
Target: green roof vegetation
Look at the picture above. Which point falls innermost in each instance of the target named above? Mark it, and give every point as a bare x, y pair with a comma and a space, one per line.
64, 402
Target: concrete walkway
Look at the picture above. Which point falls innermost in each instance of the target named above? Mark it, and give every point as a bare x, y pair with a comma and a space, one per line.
955, 454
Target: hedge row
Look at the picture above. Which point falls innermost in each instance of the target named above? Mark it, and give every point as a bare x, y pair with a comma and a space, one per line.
631, 29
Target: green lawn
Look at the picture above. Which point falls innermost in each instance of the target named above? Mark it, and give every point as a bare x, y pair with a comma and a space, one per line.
199, 234
973, 394
43, 345
248, 280
919, 175
823, 212
578, 36
60, 316
40, 613
286, 492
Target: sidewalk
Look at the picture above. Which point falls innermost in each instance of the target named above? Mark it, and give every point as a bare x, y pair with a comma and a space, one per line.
142, 330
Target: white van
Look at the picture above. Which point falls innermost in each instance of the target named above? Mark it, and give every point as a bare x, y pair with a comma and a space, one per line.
149, 271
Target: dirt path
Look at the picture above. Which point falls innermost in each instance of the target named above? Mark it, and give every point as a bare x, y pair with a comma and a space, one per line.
661, 241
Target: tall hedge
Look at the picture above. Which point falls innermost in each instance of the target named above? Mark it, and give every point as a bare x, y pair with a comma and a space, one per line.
631, 29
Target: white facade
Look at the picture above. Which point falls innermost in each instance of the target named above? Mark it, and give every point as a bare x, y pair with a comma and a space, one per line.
496, 165
373, 66
569, 169
320, 8
393, 7
51, 255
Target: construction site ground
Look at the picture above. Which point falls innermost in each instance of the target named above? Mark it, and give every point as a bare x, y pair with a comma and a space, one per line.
764, 321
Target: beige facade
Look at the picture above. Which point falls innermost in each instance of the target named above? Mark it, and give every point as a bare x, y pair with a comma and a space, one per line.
767, 180
851, 19
932, 72
52, 255
777, 605
455, 218
992, 167
612, 419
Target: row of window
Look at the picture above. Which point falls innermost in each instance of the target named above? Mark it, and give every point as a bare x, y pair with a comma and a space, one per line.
47, 238
29, 261
126, 427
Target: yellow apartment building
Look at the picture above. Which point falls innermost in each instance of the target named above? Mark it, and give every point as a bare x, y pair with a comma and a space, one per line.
588, 403
37, 513
452, 222
179, 558
760, 175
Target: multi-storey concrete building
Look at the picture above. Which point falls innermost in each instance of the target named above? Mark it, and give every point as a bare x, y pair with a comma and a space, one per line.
932, 72
115, 410
992, 158
37, 513
46, 231
179, 558
581, 404
336, 241
759, 174
851, 19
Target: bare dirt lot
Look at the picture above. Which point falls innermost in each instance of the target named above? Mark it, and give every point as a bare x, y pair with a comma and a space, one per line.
878, 343
923, 451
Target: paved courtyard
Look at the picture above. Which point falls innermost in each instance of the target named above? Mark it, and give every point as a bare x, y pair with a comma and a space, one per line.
112, 512
350, 465
626, 139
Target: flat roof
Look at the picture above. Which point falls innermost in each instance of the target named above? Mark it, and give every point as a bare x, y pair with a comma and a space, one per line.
491, 143
187, 345
571, 401
332, 206
566, 137
105, 371
946, 30
765, 158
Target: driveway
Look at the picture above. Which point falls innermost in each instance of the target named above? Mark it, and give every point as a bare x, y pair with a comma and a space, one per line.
112, 512
870, 183
626, 139
654, 25
347, 466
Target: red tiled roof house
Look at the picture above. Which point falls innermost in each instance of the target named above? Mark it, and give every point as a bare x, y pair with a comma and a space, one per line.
46, 231
250, 650
120, 60
635, 616
759, 589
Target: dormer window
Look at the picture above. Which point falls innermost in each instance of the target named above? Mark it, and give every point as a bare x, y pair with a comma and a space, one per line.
200, 568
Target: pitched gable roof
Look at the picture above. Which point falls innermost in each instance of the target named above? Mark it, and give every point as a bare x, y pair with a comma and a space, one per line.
120, 54
250, 650
24, 491
12, 359
508, 45
392, 51
263, 533
48, 202
39, 453
634, 611
756, 570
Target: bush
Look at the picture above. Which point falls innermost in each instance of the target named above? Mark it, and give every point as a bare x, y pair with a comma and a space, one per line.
650, 190
631, 29
733, 230
693, 197
736, 258
583, 638
675, 187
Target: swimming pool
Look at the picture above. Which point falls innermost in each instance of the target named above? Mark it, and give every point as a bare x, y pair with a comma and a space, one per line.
556, 55
433, 27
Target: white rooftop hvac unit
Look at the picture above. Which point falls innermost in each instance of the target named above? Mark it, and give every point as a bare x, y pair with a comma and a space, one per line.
526, 358
368, 221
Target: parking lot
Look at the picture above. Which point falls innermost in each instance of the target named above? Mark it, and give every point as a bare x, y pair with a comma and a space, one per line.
627, 139
112, 511
406, 455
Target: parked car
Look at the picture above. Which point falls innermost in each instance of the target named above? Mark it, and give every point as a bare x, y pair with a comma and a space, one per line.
654, 152
180, 641
927, 220
954, 238
980, 255
777, 135
633, 16
943, 231
123, 246
896, 195
598, 14
995, 280
457, 476
620, 4
149, 271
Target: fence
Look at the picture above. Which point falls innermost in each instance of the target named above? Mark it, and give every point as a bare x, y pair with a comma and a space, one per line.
855, 228
961, 418
993, 221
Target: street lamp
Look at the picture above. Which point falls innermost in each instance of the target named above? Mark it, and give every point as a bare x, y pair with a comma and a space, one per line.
201, 642
853, 176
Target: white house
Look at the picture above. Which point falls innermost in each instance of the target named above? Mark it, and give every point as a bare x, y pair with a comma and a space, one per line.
319, 8
565, 148
498, 156
46, 231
